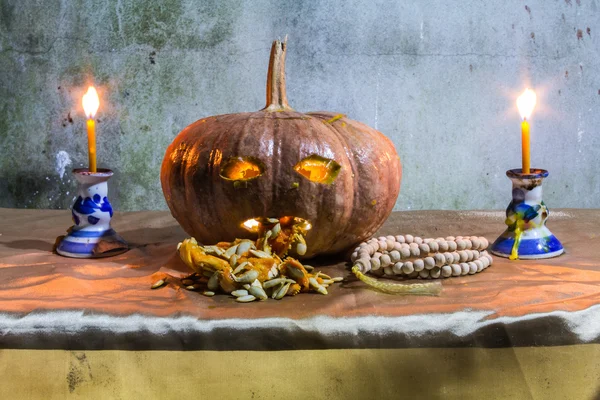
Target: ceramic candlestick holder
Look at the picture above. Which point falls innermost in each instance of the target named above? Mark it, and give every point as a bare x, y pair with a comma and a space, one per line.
91, 236
527, 236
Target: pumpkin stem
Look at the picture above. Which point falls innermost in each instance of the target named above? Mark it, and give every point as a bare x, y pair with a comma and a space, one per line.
276, 94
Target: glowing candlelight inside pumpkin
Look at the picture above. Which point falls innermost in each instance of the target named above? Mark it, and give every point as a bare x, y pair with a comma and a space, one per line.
525, 104
90, 106
252, 225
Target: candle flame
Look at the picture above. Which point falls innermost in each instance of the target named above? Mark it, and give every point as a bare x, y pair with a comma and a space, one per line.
526, 103
91, 102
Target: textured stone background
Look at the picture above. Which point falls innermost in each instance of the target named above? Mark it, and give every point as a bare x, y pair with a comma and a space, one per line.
438, 77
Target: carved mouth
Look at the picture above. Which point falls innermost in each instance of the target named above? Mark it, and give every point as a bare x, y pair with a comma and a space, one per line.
280, 234
258, 224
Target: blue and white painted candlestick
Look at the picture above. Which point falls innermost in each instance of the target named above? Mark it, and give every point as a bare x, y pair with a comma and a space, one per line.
91, 236
527, 236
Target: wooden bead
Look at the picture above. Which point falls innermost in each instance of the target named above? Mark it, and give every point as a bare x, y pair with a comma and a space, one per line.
414, 251
456, 258
435, 273
485, 261
456, 270
469, 254
409, 238
440, 259
462, 256
400, 239
433, 246
385, 260
469, 244
450, 238
472, 268
464, 268
443, 246
377, 255
424, 248
375, 264
419, 264
395, 255
479, 264
451, 246
382, 245
424, 274
408, 267
429, 262
475, 242
364, 264
397, 246
461, 245
390, 244
449, 258
390, 237
388, 271
484, 243
354, 256
405, 252
381, 239
414, 274
418, 240
397, 268
446, 271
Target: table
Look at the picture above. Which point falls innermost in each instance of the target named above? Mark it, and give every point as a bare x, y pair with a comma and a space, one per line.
84, 325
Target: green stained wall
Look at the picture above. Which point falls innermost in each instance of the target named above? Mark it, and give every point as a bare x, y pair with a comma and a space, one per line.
439, 78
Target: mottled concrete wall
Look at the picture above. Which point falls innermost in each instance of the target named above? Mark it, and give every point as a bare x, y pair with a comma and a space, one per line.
438, 77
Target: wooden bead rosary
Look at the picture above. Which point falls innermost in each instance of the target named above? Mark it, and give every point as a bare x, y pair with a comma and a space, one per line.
414, 257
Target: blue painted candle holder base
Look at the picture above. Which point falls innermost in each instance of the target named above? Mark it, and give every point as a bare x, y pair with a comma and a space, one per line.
527, 237
92, 235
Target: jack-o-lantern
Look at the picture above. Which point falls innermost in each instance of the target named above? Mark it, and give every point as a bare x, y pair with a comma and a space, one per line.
223, 173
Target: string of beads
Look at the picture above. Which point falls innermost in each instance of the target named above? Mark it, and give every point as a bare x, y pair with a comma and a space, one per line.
414, 257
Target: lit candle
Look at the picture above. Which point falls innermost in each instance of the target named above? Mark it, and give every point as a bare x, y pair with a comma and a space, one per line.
525, 104
90, 106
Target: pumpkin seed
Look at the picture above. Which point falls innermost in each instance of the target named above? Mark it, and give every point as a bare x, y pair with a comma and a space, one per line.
239, 293
276, 229
247, 277
258, 292
245, 299
243, 247
278, 294
157, 284
241, 267
301, 249
208, 293
260, 254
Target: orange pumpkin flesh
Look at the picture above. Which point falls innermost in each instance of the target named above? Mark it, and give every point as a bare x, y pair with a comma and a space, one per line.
340, 175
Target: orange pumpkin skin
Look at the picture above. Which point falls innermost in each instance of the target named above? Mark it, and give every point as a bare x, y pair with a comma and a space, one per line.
342, 213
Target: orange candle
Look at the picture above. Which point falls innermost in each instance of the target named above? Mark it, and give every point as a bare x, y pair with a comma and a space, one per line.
525, 104
90, 106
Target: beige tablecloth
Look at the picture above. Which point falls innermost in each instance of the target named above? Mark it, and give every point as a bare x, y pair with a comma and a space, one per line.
48, 301
62, 321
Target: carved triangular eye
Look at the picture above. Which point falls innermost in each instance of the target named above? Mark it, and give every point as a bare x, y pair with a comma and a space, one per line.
318, 169
242, 169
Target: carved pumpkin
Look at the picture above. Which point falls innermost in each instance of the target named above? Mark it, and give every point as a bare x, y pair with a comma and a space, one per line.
339, 175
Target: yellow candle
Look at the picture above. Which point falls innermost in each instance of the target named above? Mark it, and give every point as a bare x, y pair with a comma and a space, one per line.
525, 150
90, 106
526, 103
91, 131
